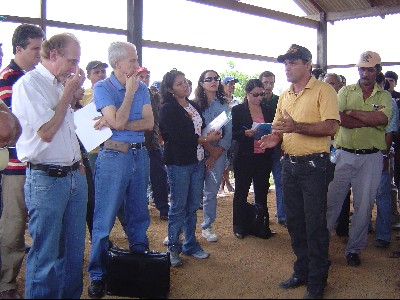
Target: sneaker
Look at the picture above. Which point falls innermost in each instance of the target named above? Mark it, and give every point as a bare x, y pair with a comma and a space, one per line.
96, 290
201, 254
353, 259
175, 260
209, 235
10, 294
166, 241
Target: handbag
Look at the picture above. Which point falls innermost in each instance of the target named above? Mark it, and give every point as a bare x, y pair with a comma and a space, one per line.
257, 223
138, 274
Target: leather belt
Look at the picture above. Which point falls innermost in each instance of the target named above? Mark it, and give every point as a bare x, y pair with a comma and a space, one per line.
360, 151
136, 145
54, 170
305, 158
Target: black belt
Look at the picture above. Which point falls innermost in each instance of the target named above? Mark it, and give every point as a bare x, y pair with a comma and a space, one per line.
136, 145
54, 170
305, 158
360, 151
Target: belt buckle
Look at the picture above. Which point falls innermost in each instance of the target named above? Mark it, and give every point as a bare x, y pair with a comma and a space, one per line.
293, 159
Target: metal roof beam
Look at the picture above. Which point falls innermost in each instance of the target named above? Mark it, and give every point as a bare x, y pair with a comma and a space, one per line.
260, 12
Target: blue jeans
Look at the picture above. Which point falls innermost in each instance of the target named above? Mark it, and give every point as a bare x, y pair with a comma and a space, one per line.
212, 181
57, 213
159, 181
119, 176
186, 184
383, 230
305, 187
277, 174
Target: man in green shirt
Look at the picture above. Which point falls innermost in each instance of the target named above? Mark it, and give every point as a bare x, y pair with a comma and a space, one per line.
365, 109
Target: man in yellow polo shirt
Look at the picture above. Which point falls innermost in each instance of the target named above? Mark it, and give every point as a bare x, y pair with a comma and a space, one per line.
365, 109
306, 117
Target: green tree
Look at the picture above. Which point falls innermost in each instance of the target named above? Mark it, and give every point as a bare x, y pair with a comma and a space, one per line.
242, 77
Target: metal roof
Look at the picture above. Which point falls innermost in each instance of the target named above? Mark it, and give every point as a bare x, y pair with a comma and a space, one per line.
337, 10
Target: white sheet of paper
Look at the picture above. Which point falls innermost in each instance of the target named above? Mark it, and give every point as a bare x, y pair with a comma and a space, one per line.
90, 137
216, 124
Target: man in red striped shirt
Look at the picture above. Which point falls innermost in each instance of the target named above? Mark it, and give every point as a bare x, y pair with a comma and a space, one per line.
26, 41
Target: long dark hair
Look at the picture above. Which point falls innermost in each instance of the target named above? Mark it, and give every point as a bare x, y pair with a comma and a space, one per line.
166, 85
250, 85
200, 96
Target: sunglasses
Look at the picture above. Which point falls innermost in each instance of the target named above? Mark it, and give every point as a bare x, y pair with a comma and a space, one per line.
209, 79
255, 95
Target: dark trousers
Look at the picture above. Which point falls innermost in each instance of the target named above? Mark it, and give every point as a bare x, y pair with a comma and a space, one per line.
342, 228
159, 181
305, 187
90, 203
256, 168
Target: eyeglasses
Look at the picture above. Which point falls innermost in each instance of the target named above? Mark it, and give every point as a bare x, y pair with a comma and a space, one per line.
255, 95
209, 79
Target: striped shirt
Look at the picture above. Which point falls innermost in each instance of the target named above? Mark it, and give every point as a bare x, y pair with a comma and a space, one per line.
8, 77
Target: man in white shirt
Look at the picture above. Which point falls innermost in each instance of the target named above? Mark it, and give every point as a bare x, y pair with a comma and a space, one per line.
55, 188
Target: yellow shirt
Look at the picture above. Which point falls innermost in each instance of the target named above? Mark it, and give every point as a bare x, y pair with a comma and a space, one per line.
351, 97
87, 96
317, 102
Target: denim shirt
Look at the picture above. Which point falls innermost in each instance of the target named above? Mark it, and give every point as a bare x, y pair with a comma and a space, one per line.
213, 111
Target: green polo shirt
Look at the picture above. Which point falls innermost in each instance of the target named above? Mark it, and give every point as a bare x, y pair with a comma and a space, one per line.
351, 97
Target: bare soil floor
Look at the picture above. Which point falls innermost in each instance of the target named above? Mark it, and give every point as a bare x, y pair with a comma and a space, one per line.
253, 267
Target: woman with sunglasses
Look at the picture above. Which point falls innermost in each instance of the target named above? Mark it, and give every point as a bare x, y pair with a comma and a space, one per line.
251, 164
209, 96
180, 125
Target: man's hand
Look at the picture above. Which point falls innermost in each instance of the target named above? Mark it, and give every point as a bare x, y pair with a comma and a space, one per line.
101, 122
285, 124
74, 82
132, 84
270, 140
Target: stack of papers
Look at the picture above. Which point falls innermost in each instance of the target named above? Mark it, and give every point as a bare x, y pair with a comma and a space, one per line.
88, 135
262, 129
217, 123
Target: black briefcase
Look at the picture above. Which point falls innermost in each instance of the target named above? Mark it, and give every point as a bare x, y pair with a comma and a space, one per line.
138, 274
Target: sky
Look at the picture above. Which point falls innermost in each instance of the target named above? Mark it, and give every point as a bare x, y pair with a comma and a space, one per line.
189, 23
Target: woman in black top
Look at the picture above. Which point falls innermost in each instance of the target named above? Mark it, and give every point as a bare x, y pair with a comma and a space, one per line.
251, 164
180, 126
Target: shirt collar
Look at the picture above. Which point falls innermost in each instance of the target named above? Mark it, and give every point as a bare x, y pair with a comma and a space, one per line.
115, 82
42, 70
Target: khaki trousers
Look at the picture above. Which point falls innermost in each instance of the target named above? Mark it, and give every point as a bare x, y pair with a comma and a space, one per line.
12, 230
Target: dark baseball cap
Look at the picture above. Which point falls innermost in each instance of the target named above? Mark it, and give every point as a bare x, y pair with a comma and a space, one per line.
94, 64
296, 52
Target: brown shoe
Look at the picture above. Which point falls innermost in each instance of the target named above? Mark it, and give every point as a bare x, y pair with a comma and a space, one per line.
10, 294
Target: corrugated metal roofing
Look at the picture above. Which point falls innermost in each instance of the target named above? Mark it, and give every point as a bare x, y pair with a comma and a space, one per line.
348, 9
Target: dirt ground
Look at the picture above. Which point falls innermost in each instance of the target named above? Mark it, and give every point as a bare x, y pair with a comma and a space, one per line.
253, 267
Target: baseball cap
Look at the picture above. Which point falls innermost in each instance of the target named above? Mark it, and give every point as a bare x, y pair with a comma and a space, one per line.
156, 85
295, 52
229, 79
368, 59
391, 74
94, 64
143, 69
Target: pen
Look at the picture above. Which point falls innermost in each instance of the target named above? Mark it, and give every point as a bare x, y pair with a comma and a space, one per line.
244, 127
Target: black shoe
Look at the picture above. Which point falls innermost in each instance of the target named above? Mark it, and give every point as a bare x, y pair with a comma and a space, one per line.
292, 283
310, 295
381, 244
353, 259
96, 290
